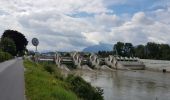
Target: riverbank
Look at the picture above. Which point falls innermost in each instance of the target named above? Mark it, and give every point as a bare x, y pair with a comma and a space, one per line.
40, 85
45, 82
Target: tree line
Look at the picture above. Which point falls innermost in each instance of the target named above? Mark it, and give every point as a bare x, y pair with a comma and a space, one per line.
150, 50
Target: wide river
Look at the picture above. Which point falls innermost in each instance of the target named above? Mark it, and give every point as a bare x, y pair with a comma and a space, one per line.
130, 85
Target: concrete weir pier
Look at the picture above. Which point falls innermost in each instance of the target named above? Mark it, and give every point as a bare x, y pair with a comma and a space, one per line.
99, 62
82, 60
64, 60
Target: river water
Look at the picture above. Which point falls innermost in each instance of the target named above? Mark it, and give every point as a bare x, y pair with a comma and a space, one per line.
130, 85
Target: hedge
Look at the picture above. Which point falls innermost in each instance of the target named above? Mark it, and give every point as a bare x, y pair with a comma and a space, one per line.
5, 56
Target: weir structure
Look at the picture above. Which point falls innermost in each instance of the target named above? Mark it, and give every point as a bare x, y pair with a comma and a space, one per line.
97, 61
45, 57
85, 60
64, 59
125, 63
82, 59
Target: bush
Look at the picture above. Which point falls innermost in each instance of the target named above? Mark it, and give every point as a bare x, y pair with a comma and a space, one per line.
8, 45
52, 69
5, 56
83, 89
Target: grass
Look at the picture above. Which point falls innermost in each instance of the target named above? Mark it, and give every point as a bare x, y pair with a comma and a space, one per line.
41, 85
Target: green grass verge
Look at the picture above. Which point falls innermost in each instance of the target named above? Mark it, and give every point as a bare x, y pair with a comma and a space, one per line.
41, 85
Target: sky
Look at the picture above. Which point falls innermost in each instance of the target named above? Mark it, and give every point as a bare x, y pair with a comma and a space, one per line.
72, 25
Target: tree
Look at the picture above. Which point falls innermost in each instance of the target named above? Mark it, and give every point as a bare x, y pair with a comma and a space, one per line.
128, 49
140, 51
119, 48
164, 52
18, 38
8, 45
153, 50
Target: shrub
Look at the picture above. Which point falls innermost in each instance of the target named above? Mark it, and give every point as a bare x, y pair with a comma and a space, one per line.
52, 69
5, 56
83, 89
8, 45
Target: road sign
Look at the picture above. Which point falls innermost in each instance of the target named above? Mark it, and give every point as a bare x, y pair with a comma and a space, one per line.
35, 41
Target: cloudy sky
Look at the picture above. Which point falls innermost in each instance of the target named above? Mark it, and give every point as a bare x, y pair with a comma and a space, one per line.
76, 24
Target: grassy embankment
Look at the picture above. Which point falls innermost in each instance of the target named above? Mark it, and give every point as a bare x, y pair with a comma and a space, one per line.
45, 82
41, 85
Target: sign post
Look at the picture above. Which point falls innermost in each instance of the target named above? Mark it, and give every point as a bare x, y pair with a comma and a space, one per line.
35, 43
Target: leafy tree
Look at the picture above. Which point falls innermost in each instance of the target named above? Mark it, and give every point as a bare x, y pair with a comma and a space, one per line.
124, 49
140, 51
164, 51
104, 53
18, 38
128, 49
149, 51
119, 48
152, 50
8, 45
5, 56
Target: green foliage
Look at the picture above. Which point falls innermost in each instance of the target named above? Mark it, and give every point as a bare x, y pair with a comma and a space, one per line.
153, 51
71, 65
8, 45
52, 69
41, 85
149, 51
83, 89
123, 49
44, 81
5, 56
119, 48
18, 38
140, 51
104, 54
129, 49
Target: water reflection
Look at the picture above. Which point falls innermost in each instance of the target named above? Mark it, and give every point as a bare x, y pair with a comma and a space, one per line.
130, 85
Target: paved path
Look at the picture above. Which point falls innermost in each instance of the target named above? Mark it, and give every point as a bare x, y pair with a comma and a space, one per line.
12, 80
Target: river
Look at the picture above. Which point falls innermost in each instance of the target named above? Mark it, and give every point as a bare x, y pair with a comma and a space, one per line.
130, 85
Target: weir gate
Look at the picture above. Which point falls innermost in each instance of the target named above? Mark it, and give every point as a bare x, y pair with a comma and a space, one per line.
89, 61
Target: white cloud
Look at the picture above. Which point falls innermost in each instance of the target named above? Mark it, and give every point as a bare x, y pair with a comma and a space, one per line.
140, 18
142, 29
53, 22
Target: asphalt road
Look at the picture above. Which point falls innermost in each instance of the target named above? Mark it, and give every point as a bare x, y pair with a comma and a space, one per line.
12, 80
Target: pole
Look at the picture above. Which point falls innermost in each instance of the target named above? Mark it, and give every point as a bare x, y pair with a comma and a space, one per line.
36, 55
36, 48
